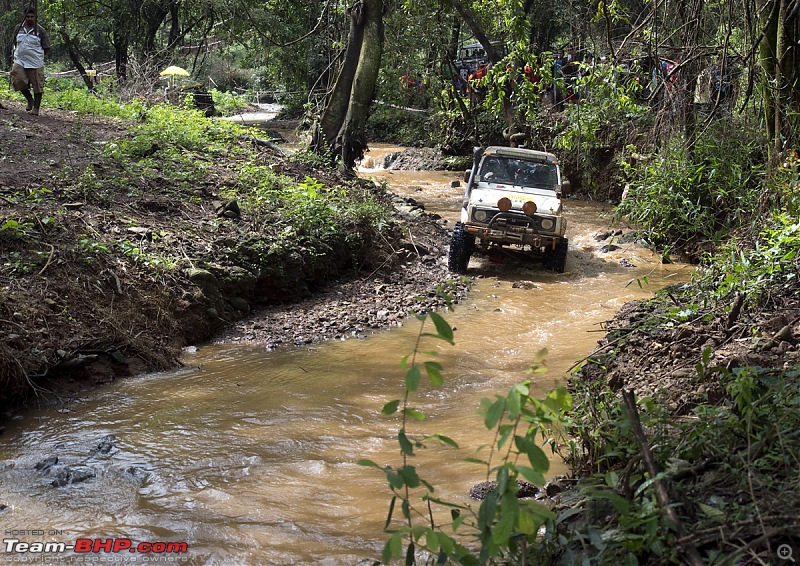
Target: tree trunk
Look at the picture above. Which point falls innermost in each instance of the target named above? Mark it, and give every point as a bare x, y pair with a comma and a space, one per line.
779, 61
120, 41
341, 128
74, 56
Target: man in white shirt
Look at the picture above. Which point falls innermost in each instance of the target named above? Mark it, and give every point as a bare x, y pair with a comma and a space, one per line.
30, 43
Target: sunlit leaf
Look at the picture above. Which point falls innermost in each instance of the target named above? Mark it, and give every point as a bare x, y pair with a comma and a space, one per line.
414, 414
434, 371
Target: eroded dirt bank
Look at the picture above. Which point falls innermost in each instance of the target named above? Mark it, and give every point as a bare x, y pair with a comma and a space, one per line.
83, 299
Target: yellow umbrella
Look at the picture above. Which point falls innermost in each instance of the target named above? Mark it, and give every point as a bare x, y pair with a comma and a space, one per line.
173, 70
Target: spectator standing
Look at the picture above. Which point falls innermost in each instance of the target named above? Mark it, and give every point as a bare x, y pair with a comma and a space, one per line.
30, 43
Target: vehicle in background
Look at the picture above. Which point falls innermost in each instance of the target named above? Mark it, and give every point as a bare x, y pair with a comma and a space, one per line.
512, 206
473, 56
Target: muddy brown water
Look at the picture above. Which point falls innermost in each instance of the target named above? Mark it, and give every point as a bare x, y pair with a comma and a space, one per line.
250, 456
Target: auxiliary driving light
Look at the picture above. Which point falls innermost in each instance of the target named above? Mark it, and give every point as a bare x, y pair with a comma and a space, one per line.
529, 208
504, 204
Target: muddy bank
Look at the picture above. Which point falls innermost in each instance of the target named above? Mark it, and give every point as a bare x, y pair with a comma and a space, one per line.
107, 273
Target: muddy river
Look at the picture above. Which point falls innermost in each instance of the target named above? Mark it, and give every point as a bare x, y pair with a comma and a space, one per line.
249, 456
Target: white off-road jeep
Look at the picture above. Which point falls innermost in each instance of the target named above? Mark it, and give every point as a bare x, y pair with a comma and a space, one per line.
512, 205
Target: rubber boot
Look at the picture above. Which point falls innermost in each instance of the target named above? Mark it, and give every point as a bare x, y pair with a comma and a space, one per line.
27, 94
37, 101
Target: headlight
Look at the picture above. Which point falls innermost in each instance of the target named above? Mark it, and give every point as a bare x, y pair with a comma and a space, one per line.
548, 224
479, 215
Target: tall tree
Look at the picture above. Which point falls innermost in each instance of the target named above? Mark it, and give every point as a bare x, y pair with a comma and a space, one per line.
780, 61
341, 128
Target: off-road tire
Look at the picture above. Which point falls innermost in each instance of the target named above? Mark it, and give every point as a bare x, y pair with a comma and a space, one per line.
556, 259
461, 245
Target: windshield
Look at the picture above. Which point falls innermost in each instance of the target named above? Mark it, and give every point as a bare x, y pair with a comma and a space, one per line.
518, 172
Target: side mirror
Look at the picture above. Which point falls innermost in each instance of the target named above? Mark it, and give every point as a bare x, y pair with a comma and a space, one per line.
466, 175
566, 188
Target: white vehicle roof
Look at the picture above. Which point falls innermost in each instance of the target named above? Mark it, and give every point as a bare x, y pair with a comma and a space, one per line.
521, 153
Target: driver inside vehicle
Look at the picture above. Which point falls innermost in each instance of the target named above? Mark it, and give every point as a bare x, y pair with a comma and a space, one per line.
494, 170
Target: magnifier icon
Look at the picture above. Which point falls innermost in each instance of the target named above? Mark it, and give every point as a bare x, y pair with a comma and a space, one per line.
785, 552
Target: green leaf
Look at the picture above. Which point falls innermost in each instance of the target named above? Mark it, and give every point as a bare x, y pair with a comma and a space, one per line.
533, 476
434, 371
394, 479
409, 475
514, 403
393, 548
526, 523
495, 413
501, 532
431, 541
502, 480
536, 455
504, 432
405, 444
390, 408
710, 512
368, 463
539, 510
566, 514
442, 327
414, 414
620, 504
413, 378
445, 440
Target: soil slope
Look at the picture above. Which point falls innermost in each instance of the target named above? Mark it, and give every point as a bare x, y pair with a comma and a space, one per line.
83, 299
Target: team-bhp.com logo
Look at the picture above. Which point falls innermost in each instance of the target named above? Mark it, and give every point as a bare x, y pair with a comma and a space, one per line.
94, 546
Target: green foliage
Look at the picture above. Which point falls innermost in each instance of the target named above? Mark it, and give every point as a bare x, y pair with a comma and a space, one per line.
67, 95
607, 108
398, 125
134, 250
523, 425
784, 190
168, 127
14, 228
228, 103
756, 269
681, 197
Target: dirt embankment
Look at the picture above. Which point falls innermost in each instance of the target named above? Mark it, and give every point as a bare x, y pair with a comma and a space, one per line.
91, 290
